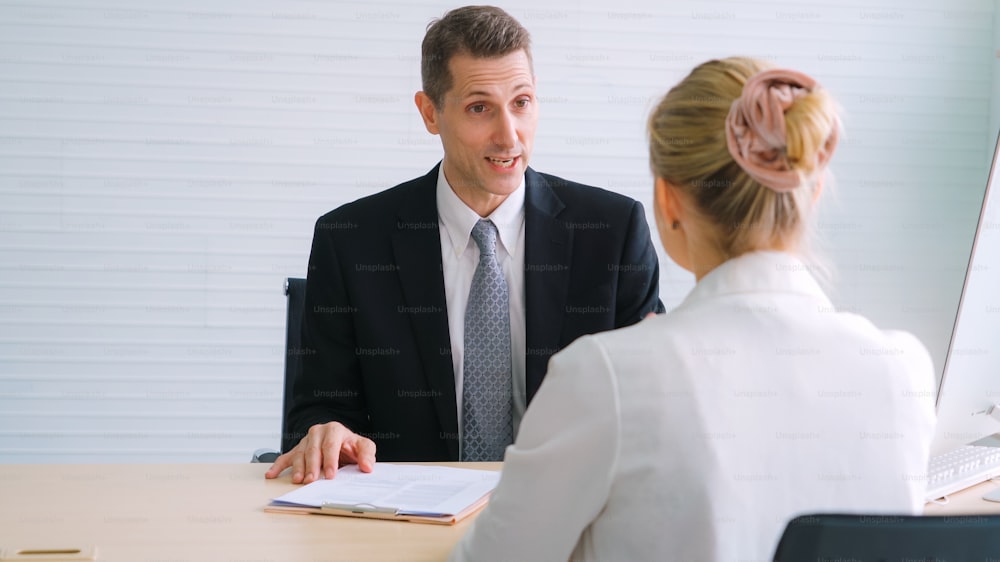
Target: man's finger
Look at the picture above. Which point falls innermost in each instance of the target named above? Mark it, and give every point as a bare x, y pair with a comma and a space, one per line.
331, 453
298, 464
314, 460
364, 452
280, 464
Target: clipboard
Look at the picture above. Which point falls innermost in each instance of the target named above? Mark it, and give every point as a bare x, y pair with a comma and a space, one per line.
374, 512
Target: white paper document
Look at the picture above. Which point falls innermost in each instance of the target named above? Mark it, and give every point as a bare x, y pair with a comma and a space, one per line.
432, 491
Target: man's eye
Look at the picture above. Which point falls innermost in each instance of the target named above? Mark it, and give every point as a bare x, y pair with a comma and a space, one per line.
478, 108
522, 103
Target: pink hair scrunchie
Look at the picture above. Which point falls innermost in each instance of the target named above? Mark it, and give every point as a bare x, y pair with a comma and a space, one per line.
755, 128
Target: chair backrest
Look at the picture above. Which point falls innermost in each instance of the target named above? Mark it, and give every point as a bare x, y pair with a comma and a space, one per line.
295, 290
823, 537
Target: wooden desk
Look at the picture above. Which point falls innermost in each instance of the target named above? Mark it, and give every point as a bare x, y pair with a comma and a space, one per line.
147, 513
186, 513
968, 501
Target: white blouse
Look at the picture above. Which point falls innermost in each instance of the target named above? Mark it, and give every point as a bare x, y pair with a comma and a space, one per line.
697, 434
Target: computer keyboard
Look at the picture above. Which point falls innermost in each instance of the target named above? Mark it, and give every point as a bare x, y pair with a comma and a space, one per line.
956, 470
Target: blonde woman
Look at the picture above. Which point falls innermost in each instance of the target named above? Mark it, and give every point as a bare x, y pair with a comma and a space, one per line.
697, 434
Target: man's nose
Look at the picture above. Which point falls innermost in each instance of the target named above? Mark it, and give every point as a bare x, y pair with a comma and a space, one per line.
505, 134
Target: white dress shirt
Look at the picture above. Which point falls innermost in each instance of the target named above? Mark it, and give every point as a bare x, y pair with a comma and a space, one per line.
697, 435
459, 258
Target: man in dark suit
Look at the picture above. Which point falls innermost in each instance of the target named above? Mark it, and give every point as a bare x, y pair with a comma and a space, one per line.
432, 308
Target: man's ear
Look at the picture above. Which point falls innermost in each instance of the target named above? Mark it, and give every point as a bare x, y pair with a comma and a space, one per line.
427, 111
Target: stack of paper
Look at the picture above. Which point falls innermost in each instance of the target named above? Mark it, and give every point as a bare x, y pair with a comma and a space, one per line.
427, 494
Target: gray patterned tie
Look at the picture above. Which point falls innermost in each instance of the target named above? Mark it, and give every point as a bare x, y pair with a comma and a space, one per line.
487, 427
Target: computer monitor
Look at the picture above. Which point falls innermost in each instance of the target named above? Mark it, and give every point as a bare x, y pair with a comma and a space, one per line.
970, 384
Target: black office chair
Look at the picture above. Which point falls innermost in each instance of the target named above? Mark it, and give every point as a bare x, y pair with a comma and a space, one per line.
890, 538
295, 290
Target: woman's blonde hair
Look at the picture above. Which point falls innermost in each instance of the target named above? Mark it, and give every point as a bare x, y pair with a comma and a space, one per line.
688, 148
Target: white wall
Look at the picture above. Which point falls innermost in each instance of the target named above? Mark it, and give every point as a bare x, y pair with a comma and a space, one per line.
995, 101
161, 166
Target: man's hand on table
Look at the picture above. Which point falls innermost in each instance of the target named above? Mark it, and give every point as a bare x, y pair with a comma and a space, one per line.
325, 448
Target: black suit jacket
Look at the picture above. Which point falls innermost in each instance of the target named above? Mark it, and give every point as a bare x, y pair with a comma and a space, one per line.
376, 349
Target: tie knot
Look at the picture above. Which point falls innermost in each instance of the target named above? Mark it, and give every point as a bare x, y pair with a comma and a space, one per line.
485, 235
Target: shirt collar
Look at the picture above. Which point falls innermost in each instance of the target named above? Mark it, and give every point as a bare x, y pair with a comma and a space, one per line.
459, 219
759, 272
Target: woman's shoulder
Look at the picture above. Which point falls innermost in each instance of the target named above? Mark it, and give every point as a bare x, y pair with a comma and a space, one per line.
882, 342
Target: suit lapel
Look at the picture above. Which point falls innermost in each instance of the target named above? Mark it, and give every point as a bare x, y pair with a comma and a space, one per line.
547, 254
417, 251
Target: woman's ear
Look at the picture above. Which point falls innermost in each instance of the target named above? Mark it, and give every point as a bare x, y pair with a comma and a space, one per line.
670, 215
667, 204
819, 189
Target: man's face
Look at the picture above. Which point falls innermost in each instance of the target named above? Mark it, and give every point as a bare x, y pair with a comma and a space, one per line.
487, 125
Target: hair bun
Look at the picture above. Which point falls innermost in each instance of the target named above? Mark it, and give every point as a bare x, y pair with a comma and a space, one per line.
756, 133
